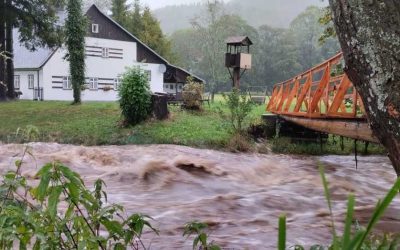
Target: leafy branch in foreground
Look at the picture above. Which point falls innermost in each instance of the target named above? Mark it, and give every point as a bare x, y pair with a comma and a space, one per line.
201, 239
361, 238
62, 213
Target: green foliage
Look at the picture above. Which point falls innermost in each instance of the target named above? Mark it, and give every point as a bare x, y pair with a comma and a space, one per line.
75, 41
282, 233
278, 53
134, 96
119, 10
327, 20
61, 213
192, 94
142, 24
201, 238
361, 238
239, 107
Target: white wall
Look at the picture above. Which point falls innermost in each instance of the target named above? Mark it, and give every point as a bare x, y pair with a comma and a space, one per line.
106, 69
27, 93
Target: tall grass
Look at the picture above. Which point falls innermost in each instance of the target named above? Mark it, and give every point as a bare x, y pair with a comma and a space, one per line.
349, 241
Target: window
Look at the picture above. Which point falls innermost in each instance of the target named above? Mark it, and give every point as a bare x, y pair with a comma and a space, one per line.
67, 82
95, 28
16, 82
148, 73
93, 83
180, 87
171, 86
117, 82
31, 81
104, 53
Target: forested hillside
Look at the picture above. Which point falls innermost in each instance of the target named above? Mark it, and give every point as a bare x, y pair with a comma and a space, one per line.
255, 12
278, 53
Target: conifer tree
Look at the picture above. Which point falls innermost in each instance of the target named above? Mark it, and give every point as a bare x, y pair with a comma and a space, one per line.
75, 41
119, 9
135, 25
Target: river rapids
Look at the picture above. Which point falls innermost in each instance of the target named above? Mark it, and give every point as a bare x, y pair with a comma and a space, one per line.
240, 196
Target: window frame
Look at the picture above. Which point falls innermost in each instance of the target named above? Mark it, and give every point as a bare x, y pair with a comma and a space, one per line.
17, 86
117, 83
93, 83
31, 77
148, 74
67, 84
95, 28
105, 52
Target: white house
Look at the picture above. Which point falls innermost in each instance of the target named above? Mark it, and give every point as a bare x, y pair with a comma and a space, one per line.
109, 49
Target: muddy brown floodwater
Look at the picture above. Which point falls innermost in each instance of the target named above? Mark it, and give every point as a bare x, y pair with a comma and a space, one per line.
239, 195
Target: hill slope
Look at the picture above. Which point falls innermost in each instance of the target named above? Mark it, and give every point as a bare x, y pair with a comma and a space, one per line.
276, 13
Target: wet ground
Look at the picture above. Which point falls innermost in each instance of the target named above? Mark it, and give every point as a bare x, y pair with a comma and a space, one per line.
239, 195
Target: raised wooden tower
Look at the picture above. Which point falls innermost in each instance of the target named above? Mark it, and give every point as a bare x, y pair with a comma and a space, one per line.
238, 57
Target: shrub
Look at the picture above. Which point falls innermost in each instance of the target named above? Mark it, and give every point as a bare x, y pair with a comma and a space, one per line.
239, 143
61, 213
134, 96
192, 94
239, 107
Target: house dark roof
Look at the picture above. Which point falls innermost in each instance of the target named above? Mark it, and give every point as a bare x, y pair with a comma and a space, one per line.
26, 59
176, 74
239, 40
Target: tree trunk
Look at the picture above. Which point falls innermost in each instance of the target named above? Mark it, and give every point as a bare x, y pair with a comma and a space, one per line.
3, 88
10, 61
369, 34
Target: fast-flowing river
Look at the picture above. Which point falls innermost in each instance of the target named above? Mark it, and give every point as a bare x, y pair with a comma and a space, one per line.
239, 195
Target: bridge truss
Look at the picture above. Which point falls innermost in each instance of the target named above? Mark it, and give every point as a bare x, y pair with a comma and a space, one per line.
324, 99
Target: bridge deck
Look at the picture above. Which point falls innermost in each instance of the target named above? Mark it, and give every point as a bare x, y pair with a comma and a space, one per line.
324, 99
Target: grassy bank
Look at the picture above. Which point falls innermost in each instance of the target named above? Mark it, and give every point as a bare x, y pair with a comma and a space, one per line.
97, 123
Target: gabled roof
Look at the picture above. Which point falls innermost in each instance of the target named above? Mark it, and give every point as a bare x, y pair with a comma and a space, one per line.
26, 59
128, 33
239, 40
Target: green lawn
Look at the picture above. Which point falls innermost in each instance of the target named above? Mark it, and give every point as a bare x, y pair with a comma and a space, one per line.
97, 123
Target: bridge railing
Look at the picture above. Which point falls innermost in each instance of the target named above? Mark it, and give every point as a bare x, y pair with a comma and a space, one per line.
324, 91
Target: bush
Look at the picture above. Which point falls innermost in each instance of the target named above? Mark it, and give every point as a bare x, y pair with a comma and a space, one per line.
239, 107
60, 213
134, 96
239, 143
192, 94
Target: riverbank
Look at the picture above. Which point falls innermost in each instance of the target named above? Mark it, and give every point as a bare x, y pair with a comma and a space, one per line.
98, 123
239, 195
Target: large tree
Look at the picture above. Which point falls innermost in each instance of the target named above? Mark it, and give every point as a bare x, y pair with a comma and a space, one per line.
75, 41
36, 24
369, 34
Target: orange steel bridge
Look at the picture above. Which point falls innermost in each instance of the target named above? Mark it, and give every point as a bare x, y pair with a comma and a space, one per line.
323, 99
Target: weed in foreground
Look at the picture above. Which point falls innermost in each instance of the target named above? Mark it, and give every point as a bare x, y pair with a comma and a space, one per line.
361, 238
